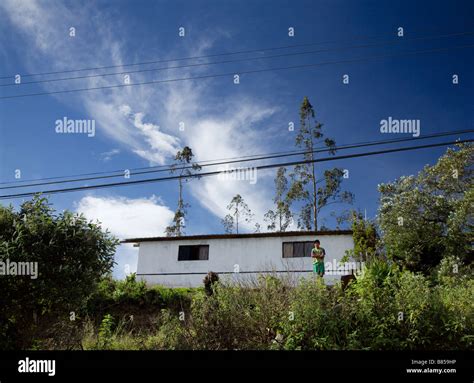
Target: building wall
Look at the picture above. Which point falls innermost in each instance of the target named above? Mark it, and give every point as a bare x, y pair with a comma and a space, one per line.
234, 259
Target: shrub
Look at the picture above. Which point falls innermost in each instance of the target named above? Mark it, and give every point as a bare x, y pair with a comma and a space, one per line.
245, 316
132, 297
310, 323
209, 281
72, 255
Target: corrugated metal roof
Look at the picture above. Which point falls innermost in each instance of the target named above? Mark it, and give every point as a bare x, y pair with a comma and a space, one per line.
235, 236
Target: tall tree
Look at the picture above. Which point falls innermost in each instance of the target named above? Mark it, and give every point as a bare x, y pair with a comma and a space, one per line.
239, 211
181, 166
429, 216
304, 184
280, 218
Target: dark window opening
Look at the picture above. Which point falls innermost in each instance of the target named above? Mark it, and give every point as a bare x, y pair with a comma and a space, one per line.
193, 253
297, 249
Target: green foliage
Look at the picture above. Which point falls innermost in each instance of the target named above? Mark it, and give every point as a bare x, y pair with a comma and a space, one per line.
365, 237
105, 331
311, 323
239, 211
129, 297
394, 309
185, 168
147, 313
385, 308
170, 335
72, 255
427, 217
455, 308
237, 317
280, 218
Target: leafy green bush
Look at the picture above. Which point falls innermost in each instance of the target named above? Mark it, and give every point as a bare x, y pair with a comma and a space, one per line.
129, 296
171, 334
311, 322
238, 317
105, 331
385, 309
72, 255
426, 217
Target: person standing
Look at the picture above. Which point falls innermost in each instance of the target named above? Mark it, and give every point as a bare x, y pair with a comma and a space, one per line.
318, 253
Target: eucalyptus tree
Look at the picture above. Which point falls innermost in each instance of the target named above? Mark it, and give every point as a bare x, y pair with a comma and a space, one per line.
314, 194
239, 211
184, 168
281, 217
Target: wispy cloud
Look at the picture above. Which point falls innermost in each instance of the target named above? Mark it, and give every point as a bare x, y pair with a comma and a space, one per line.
107, 156
54, 50
145, 120
160, 144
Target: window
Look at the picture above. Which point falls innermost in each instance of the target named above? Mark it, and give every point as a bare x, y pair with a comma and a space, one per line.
297, 249
193, 253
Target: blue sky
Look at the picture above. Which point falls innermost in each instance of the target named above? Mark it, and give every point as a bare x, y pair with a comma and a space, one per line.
138, 126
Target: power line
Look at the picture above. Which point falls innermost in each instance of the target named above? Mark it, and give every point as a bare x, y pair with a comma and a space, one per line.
362, 59
199, 175
245, 159
227, 54
383, 43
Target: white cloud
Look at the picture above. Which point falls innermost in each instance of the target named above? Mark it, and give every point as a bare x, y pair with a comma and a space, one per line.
127, 218
230, 136
144, 119
52, 49
160, 144
107, 156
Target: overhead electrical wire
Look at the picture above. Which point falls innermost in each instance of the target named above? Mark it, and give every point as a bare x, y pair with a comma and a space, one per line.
199, 175
253, 71
443, 35
167, 168
383, 43
258, 157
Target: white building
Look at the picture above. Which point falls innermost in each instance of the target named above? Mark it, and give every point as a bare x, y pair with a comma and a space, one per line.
184, 261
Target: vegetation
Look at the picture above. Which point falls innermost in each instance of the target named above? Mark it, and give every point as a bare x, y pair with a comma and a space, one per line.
386, 308
71, 255
239, 211
280, 218
185, 168
416, 290
427, 217
314, 194
366, 239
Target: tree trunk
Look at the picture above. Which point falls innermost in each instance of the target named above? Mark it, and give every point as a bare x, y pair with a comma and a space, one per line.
237, 218
180, 197
180, 206
279, 212
315, 196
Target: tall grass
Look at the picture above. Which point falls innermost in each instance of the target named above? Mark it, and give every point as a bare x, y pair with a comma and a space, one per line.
385, 308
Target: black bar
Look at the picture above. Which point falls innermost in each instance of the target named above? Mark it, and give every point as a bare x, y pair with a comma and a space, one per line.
340, 365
